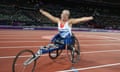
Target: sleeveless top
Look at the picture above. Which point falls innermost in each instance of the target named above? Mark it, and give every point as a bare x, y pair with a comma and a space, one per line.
64, 29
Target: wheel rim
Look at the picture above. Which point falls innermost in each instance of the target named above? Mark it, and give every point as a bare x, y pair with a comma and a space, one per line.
76, 55
74, 52
21, 57
55, 54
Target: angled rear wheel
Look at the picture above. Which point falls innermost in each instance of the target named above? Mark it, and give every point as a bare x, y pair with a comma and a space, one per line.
74, 52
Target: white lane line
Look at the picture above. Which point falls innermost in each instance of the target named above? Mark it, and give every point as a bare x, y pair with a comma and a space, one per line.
91, 67
51, 35
19, 35
19, 38
20, 41
12, 47
108, 37
100, 44
89, 52
100, 37
15, 47
4, 57
103, 40
31, 39
11, 41
88, 36
100, 51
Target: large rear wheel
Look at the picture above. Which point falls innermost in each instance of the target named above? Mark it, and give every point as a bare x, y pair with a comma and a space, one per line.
74, 51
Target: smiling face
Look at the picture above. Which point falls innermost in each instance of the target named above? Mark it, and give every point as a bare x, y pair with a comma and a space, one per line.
65, 15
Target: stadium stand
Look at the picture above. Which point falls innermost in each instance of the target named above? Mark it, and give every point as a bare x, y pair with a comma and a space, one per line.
25, 16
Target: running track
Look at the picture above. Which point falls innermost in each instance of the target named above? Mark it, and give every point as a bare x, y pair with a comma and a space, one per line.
100, 51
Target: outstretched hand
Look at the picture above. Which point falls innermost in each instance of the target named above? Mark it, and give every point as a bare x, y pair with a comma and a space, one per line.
95, 14
41, 10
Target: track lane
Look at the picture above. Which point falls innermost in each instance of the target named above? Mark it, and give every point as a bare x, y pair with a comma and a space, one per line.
63, 63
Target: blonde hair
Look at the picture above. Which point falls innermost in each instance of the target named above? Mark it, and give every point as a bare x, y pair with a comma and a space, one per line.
66, 11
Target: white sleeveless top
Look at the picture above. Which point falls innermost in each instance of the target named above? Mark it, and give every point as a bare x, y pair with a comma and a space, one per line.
64, 29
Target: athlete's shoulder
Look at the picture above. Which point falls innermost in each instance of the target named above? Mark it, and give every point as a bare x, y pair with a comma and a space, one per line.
70, 20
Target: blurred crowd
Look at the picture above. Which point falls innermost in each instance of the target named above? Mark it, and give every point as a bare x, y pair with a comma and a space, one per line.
22, 16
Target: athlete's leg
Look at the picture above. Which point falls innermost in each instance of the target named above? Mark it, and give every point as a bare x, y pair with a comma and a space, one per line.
56, 37
70, 41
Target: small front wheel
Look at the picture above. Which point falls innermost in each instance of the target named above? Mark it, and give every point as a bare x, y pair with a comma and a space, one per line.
55, 54
19, 63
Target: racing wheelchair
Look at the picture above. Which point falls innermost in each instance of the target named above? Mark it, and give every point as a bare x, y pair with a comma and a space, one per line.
25, 60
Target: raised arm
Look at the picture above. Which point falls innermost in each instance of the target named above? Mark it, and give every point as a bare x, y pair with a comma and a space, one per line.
48, 15
78, 20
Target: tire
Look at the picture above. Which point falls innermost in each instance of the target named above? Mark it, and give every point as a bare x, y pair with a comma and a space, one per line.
55, 54
24, 55
74, 51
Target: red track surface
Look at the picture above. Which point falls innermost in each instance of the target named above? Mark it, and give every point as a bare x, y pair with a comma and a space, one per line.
100, 51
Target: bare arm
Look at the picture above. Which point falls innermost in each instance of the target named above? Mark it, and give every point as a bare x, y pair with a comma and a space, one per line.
78, 20
48, 15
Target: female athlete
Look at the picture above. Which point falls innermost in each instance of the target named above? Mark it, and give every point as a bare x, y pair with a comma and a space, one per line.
64, 25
